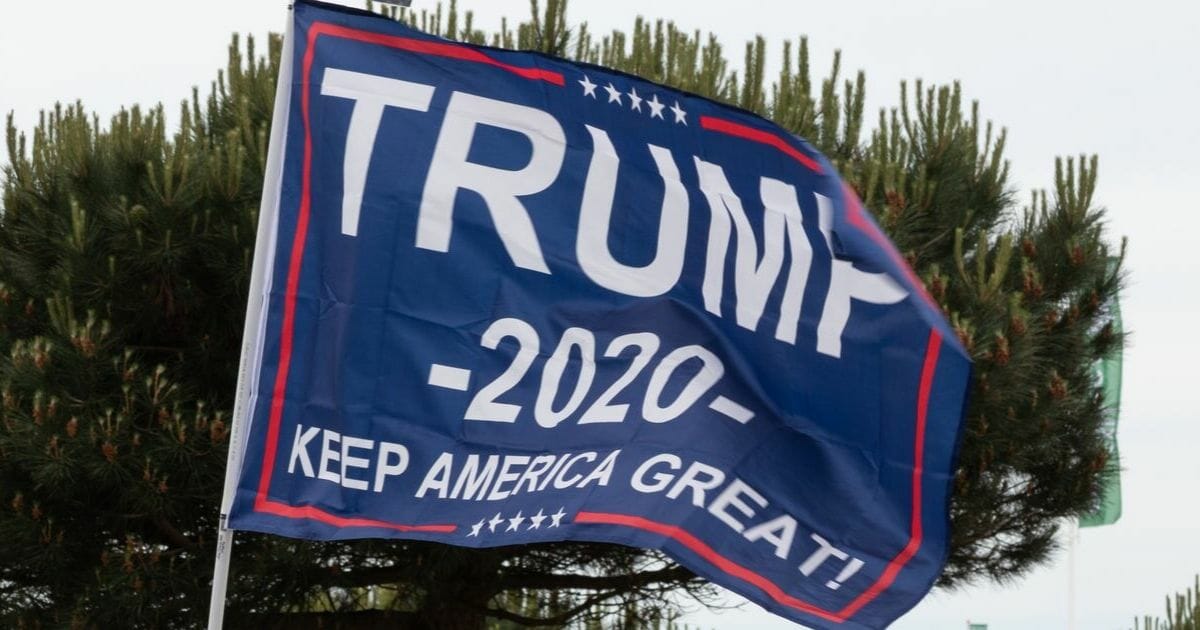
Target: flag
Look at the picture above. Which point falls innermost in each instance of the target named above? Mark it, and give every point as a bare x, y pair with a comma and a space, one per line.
511, 299
1109, 369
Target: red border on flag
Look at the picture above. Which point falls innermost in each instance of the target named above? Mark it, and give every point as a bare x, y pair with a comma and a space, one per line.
263, 503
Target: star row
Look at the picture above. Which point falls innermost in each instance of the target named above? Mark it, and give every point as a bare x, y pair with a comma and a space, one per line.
635, 100
514, 523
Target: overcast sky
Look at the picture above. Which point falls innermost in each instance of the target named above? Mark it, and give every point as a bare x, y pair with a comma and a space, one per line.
1065, 77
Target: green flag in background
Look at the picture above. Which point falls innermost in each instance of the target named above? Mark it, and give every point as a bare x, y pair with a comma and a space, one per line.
976, 626
1110, 380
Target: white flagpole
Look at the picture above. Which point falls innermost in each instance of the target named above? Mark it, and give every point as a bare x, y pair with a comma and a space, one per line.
1072, 541
260, 286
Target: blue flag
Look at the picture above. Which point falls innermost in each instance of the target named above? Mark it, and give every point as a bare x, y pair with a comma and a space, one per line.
511, 299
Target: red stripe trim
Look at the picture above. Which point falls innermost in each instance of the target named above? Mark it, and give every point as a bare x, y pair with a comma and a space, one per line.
316, 514
738, 130
279, 391
435, 49
885, 580
916, 531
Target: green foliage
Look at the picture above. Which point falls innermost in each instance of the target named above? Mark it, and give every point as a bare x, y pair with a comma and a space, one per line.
124, 260
1182, 614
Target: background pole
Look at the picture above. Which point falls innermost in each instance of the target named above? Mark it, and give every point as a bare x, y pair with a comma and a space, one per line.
1072, 539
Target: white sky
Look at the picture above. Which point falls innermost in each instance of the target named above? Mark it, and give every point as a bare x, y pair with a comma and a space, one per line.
1065, 77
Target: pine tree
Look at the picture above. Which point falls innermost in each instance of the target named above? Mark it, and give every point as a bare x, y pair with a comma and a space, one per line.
124, 260
1183, 613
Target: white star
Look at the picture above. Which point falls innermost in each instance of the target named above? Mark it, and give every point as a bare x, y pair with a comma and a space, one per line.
635, 101
556, 518
589, 88
614, 95
496, 520
680, 115
514, 522
655, 107
476, 527
535, 521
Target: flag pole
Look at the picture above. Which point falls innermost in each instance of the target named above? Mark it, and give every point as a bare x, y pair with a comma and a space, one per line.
1072, 541
260, 285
